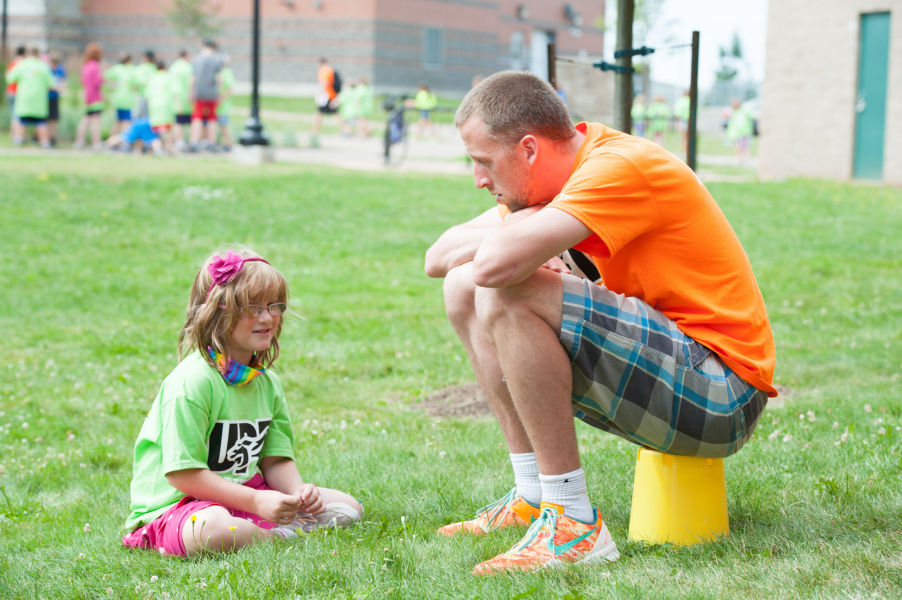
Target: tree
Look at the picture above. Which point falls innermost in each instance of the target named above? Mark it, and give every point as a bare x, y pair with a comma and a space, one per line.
730, 60
193, 19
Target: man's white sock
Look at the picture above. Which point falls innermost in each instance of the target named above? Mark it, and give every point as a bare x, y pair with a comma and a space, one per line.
569, 490
526, 476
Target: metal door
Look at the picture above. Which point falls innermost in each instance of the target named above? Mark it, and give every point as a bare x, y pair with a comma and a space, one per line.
870, 121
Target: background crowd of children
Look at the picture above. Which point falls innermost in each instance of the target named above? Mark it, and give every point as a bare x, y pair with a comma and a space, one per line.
180, 107
653, 119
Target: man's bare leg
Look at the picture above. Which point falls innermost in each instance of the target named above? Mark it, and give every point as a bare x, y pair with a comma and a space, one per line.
460, 295
523, 323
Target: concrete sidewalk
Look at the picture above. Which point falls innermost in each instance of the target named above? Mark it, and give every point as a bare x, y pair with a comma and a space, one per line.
443, 154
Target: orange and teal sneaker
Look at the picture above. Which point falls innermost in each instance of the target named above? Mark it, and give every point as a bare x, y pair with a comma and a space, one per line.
553, 540
506, 512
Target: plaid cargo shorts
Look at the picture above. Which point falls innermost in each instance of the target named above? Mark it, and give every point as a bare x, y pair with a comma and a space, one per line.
636, 375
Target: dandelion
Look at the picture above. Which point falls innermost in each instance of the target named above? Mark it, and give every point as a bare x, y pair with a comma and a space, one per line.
193, 518
233, 528
43, 177
63, 197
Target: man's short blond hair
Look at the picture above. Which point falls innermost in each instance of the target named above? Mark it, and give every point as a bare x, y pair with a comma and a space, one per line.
514, 104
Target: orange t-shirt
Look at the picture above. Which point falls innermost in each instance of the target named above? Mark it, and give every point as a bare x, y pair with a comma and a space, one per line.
12, 87
659, 236
326, 77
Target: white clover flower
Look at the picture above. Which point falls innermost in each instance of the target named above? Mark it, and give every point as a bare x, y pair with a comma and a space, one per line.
86, 528
154, 579
811, 416
774, 435
867, 408
787, 438
881, 431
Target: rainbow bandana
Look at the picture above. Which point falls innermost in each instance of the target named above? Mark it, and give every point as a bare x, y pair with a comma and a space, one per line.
234, 372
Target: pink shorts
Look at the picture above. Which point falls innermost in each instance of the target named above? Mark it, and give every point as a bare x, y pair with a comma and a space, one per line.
164, 534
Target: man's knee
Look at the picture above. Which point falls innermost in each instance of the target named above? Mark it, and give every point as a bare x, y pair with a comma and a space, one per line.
459, 291
540, 295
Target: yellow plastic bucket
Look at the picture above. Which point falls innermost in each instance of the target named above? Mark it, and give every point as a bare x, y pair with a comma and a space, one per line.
678, 499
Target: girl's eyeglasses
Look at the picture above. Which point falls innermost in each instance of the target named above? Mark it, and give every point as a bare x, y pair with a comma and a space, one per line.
255, 310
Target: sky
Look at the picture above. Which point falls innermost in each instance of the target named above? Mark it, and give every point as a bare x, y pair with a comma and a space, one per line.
716, 21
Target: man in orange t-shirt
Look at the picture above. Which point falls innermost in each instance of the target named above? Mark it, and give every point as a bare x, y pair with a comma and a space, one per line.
662, 340
325, 100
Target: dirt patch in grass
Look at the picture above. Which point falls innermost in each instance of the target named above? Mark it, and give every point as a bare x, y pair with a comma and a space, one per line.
786, 394
456, 401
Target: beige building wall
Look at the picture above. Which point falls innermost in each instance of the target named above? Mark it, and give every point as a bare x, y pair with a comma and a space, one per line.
810, 89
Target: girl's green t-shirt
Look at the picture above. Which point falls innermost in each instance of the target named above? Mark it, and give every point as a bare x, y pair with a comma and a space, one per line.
198, 421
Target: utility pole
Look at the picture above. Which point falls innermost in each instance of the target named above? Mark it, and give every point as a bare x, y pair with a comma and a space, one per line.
623, 82
691, 147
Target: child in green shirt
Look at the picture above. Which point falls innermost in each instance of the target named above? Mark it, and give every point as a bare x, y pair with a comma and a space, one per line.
214, 466
121, 76
34, 80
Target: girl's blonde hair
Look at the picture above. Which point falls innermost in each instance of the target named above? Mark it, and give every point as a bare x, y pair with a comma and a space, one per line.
208, 325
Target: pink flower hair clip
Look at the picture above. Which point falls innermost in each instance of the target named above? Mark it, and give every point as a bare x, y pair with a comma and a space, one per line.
224, 270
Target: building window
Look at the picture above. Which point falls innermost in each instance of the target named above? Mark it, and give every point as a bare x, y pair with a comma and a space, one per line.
518, 51
432, 47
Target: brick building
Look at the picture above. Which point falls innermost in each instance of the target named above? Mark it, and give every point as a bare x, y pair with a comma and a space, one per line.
832, 97
393, 43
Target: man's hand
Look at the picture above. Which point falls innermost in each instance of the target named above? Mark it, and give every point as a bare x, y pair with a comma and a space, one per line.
557, 265
521, 214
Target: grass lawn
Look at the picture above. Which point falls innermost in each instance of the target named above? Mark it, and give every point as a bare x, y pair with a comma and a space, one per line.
99, 253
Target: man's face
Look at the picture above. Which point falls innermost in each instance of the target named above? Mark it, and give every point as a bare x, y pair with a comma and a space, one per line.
503, 171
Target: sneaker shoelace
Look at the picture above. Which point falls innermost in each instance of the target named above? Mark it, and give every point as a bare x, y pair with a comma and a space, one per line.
499, 507
548, 516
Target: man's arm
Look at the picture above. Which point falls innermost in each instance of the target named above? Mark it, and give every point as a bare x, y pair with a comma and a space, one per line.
459, 244
511, 253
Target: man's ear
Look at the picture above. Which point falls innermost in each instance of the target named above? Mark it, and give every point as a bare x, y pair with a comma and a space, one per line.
530, 146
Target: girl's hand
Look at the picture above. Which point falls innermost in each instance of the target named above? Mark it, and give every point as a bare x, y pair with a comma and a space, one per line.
276, 507
311, 499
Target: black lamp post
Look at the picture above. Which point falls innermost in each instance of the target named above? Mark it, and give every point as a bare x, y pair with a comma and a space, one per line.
253, 128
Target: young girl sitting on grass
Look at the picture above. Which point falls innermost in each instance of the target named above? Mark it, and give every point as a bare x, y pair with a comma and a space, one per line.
214, 462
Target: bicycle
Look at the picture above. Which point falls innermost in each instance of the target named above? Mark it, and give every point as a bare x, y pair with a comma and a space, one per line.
395, 140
